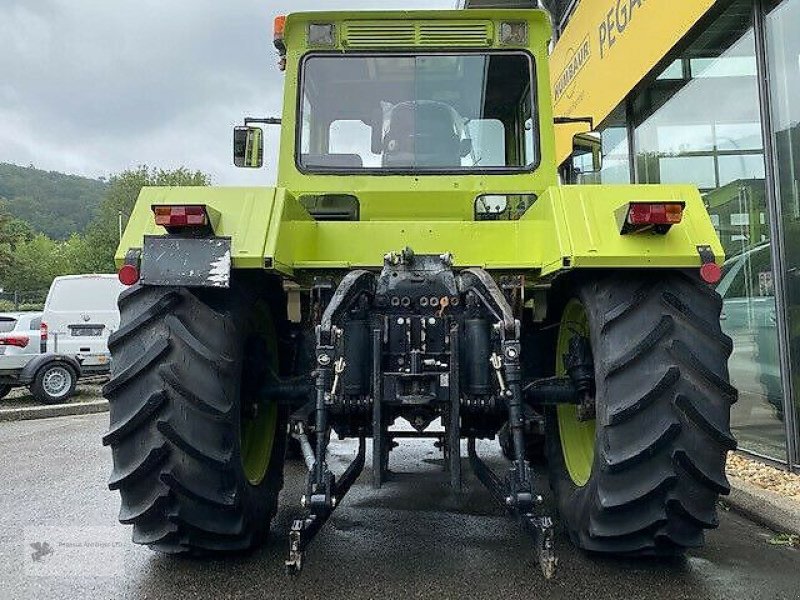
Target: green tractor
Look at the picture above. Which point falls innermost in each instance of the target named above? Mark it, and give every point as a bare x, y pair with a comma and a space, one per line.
419, 259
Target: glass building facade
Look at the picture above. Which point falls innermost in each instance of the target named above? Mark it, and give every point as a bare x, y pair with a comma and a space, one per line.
722, 112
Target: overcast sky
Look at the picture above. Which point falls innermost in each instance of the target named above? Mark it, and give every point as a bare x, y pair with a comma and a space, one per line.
93, 87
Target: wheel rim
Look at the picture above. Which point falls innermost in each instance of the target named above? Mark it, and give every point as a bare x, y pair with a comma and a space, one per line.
258, 436
258, 425
577, 437
57, 381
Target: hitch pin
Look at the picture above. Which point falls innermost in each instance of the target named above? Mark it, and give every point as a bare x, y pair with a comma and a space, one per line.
444, 302
338, 369
497, 363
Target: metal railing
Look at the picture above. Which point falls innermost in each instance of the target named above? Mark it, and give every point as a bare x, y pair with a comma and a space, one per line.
22, 300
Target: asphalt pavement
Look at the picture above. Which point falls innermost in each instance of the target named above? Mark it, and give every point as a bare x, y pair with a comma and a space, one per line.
414, 538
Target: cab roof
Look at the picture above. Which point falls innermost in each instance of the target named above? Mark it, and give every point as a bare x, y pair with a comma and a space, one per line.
478, 14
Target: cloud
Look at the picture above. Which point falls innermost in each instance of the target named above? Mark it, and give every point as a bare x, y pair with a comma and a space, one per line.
93, 87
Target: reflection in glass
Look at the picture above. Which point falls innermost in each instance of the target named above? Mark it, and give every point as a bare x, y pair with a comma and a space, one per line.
616, 150
783, 23
703, 126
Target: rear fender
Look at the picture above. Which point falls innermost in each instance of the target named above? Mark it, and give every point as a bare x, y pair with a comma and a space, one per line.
578, 228
248, 216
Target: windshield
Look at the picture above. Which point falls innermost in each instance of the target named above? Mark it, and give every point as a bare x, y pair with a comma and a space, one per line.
438, 112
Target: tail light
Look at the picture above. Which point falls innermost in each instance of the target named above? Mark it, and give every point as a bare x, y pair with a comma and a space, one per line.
20, 341
658, 216
128, 274
181, 216
711, 273
178, 218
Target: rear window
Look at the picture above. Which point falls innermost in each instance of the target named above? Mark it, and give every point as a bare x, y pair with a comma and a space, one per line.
7, 324
84, 295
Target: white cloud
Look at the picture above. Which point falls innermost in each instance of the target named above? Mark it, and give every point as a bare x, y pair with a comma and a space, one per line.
93, 87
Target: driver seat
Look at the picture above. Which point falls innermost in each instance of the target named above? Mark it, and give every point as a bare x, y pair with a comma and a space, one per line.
422, 133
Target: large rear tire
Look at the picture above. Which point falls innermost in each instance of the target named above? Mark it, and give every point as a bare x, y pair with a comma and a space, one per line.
644, 478
198, 460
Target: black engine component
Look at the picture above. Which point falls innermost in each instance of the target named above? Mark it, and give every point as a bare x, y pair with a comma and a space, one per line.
477, 349
419, 342
417, 299
357, 351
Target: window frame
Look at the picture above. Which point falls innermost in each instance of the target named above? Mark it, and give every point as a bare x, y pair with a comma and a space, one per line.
380, 172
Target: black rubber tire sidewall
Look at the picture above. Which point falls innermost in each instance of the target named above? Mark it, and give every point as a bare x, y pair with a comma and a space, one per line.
194, 497
658, 469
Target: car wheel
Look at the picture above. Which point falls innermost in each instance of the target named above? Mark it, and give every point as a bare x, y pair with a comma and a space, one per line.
54, 383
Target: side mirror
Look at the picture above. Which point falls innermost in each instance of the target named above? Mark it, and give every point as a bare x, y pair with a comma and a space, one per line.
586, 162
465, 147
248, 147
589, 147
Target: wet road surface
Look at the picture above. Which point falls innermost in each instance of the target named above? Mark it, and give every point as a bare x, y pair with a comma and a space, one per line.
412, 539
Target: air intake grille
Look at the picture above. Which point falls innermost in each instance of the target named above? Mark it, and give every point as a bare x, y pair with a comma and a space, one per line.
432, 34
461, 34
389, 34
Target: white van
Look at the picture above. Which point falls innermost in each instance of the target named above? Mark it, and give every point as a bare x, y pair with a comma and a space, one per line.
79, 314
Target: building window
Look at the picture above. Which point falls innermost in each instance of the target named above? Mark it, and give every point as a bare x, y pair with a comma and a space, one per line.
783, 43
699, 122
616, 163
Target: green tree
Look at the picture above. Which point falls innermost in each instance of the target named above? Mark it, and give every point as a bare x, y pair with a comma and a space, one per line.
34, 264
13, 232
102, 236
51, 202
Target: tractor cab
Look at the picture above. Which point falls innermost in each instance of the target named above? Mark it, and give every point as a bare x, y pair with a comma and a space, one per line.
446, 106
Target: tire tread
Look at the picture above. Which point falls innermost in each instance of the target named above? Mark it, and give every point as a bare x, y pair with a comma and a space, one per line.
664, 428
174, 423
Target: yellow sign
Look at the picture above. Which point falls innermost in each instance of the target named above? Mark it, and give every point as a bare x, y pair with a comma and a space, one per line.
607, 48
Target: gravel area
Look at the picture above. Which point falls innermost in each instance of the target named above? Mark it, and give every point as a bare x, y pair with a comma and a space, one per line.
765, 476
88, 389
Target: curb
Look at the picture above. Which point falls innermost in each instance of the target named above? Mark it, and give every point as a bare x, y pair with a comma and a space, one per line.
55, 410
766, 508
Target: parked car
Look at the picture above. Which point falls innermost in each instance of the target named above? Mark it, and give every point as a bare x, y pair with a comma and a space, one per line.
749, 318
24, 361
50, 351
20, 340
79, 314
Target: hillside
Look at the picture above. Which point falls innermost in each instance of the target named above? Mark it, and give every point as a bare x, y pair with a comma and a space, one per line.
53, 203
